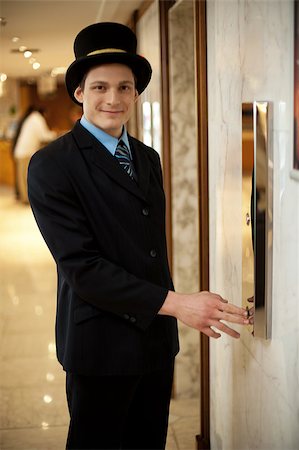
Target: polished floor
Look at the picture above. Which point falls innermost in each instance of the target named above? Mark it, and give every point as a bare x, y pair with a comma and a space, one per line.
33, 413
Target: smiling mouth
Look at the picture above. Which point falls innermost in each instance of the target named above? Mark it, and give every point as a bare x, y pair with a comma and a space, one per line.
111, 112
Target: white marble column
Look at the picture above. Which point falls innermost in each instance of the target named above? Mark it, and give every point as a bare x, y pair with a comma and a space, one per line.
184, 184
254, 382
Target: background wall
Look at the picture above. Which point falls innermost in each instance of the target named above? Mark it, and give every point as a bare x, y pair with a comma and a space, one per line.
184, 170
254, 383
183, 163
149, 119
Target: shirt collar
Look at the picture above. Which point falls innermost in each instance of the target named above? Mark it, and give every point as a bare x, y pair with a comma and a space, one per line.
110, 142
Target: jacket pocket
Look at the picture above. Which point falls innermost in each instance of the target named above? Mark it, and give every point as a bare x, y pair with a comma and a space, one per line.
85, 312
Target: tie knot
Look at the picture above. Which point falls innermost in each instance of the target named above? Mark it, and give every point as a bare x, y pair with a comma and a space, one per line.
121, 147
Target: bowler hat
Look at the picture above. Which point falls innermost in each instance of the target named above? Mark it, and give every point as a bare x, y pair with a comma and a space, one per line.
104, 43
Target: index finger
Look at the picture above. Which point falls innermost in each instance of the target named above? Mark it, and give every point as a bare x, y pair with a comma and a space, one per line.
233, 309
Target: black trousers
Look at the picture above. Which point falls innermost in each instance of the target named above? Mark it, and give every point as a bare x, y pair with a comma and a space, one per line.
119, 412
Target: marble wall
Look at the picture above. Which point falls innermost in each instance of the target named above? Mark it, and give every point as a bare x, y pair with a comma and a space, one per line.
183, 163
254, 382
184, 184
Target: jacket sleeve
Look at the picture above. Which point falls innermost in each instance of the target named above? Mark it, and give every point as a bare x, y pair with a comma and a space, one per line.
66, 230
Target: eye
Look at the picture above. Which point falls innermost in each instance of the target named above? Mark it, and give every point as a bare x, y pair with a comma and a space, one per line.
126, 88
99, 87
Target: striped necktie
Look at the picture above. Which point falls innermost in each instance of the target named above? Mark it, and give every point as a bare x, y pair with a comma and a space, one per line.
122, 153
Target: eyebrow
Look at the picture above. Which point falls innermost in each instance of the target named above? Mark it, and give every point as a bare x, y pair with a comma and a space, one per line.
105, 83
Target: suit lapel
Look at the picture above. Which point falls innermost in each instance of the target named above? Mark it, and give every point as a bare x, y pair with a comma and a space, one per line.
142, 165
103, 159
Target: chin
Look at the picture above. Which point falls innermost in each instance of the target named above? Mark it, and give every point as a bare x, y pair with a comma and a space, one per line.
111, 126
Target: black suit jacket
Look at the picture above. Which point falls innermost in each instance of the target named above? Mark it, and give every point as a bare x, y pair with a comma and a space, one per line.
107, 236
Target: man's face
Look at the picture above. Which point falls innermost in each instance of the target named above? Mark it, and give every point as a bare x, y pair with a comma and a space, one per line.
108, 97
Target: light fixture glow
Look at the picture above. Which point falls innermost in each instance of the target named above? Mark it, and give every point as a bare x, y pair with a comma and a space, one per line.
52, 350
50, 376
58, 71
3, 77
32, 60
27, 54
47, 398
51, 347
22, 48
15, 39
36, 65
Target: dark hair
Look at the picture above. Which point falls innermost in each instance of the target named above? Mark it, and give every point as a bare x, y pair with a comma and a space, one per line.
82, 82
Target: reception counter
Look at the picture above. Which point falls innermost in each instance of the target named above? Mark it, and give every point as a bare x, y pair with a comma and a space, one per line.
7, 174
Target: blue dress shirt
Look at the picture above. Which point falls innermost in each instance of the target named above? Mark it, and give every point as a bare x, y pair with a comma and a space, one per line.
106, 139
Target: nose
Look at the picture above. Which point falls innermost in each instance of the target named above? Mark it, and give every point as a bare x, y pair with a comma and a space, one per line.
112, 97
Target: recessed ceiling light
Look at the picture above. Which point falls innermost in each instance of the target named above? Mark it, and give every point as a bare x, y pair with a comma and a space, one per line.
15, 39
32, 60
27, 54
3, 77
36, 65
22, 48
58, 71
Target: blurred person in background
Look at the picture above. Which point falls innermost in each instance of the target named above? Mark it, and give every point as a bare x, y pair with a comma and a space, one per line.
31, 134
14, 141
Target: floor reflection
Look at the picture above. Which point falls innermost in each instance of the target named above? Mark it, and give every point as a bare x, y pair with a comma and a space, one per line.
33, 412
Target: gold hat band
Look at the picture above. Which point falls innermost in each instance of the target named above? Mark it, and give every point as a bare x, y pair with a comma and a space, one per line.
106, 50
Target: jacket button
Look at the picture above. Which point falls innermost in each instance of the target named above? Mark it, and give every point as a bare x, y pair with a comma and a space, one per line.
145, 211
126, 316
153, 253
132, 319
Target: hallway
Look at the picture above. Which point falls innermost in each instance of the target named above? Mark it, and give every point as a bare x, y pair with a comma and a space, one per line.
33, 412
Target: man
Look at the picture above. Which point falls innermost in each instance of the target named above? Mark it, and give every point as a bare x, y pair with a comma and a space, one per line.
98, 199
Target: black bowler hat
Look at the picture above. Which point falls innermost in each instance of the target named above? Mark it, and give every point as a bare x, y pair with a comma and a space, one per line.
104, 43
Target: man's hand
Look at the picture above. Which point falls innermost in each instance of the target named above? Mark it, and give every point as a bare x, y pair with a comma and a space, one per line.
204, 311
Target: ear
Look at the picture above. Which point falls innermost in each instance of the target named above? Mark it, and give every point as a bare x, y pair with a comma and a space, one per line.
78, 94
136, 96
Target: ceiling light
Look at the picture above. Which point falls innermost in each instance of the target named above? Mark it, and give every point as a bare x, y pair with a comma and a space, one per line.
15, 39
22, 48
32, 60
36, 65
3, 77
58, 71
27, 54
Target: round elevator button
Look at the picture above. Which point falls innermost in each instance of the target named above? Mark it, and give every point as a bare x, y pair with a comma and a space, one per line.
145, 211
153, 253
